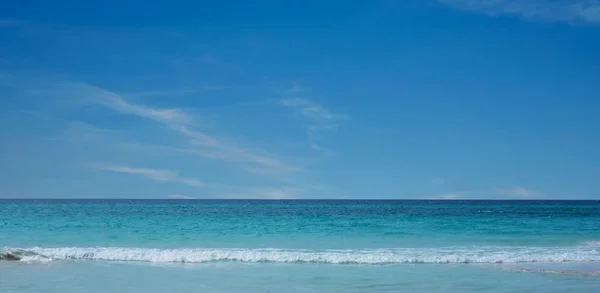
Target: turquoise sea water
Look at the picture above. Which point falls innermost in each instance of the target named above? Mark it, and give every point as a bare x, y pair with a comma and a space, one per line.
300, 246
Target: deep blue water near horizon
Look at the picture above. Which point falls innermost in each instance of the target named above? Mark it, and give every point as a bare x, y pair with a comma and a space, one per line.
131, 245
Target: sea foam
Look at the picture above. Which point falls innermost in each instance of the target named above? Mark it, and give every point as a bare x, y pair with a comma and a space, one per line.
583, 253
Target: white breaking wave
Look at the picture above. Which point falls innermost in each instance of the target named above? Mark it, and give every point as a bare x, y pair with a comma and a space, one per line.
584, 253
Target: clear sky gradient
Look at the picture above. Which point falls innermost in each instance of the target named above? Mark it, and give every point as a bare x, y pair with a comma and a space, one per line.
300, 99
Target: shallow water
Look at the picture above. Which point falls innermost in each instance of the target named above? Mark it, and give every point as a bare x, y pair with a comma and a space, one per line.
300, 246
76, 276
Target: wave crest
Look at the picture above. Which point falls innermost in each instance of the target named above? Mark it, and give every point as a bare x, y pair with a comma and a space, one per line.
364, 256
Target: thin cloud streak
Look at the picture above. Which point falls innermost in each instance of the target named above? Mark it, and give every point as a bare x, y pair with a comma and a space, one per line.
259, 193
281, 171
571, 11
94, 95
488, 194
154, 174
224, 191
180, 122
162, 115
517, 192
312, 110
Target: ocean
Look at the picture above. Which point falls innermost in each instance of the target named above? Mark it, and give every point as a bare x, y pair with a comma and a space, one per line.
299, 246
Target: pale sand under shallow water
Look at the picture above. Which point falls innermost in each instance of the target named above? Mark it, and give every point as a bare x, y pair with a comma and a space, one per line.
101, 276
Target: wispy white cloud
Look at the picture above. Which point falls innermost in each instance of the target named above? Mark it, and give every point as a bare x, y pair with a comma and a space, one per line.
312, 110
154, 174
517, 192
319, 119
114, 101
180, 135
488, 194
572, 11
235, 192
84, 93
178, 121
223, 191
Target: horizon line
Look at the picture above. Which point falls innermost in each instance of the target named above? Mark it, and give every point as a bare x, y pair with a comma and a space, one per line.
297, 199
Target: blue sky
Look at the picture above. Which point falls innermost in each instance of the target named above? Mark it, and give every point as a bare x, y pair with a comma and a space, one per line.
270, 99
